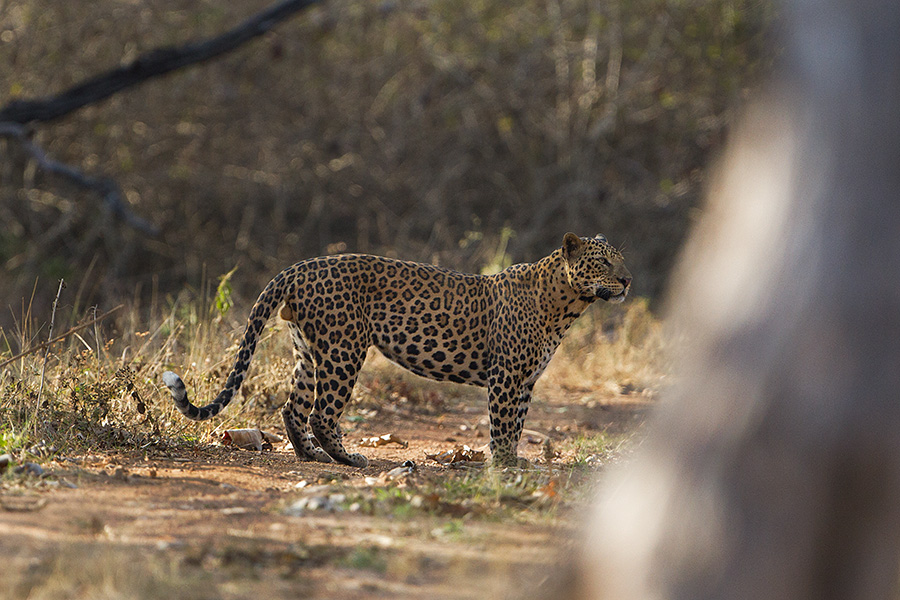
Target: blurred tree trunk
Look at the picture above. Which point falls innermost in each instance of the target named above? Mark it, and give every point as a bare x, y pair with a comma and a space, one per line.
774, 470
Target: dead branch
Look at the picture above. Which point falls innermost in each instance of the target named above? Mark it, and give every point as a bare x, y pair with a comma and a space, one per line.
157, 62
147, 66
107, 188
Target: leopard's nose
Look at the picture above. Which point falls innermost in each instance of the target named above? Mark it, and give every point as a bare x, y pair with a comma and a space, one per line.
625, 281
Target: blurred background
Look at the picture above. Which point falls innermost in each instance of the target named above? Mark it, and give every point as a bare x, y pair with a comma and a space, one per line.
472, 134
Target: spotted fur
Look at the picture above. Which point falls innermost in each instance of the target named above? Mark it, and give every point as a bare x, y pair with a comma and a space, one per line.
494, 331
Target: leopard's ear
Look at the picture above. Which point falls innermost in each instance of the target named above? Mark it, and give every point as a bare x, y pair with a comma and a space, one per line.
572, 247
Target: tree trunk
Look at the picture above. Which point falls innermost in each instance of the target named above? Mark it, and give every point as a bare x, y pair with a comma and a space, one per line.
773, 471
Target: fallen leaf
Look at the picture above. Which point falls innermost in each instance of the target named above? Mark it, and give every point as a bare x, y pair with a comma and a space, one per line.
383, 440
459, 454
547, 492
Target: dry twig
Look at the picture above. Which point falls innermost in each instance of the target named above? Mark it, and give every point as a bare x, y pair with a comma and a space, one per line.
61, 336
62, 284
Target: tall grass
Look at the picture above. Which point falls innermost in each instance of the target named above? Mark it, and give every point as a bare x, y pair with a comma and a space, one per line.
101, 385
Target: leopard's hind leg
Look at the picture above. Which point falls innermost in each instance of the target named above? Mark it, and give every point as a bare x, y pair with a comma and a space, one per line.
334, 385
301, 401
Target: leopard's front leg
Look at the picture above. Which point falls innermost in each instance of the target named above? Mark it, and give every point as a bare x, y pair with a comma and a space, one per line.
522, 404
504, 392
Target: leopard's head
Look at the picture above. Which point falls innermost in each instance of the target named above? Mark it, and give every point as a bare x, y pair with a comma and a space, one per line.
595, 269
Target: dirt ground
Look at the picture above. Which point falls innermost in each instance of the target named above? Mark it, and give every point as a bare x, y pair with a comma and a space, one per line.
214, 521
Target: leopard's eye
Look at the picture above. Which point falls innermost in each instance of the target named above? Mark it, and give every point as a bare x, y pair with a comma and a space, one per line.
606, 263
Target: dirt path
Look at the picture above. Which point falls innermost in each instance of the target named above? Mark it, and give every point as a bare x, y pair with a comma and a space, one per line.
214, 521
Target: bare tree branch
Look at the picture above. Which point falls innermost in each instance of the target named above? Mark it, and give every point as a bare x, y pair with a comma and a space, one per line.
157, 62
151, 64
104, 186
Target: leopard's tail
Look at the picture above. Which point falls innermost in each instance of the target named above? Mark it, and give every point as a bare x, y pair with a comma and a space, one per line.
272, 295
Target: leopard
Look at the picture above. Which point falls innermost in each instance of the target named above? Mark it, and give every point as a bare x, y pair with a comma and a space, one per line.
494, 331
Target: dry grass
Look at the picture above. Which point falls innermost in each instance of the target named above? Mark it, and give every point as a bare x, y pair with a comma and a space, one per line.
613, 350
103, 384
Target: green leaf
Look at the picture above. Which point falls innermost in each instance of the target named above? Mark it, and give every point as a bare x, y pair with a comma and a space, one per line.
223, 293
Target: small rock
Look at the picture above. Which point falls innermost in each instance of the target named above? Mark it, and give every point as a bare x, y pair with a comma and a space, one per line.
5, 460
235, 510
310, 503
29, 468
406, 468
319, 503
